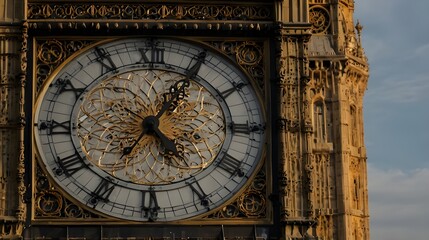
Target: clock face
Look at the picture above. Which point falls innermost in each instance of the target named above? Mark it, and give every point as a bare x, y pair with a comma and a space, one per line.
150, 129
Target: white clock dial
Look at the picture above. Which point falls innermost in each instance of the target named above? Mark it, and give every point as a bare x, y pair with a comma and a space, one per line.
150, 129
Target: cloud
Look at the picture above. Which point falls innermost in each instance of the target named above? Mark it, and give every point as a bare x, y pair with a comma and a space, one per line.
398, 203
402, 79
420, 52
398, 53
401, 88
395, 39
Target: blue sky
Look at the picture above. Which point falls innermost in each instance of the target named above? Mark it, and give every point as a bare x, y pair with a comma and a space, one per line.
396, 116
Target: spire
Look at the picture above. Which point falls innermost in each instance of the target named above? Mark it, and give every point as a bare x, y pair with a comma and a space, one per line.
359, 28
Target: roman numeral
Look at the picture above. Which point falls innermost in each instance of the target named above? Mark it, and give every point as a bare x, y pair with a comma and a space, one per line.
235, 87
245, 128
156, 55
54, 127
102, 192
65, 85
231, 165
240, 128
198, 190
150, 205
103, 55
70, 165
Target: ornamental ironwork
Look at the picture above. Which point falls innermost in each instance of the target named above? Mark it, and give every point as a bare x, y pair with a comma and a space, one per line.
248, 54
51, 53
50, 203
252, 203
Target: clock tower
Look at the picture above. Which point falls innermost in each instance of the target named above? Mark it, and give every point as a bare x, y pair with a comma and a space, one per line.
182, 120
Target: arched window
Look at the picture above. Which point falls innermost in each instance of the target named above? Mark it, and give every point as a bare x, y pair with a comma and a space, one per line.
353, 126
319, 122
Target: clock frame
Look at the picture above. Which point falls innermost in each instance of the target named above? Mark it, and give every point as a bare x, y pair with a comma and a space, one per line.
149, 207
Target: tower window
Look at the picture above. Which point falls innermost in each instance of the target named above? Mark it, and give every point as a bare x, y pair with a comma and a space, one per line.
353, 126
319, 122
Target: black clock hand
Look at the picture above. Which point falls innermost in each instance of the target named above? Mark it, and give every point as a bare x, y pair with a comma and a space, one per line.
169, 145
128, 150
185, 83
149, 124
191, 73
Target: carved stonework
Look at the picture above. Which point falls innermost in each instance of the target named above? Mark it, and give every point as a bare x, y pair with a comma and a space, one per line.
21, 162
324, 104
325, 226
13, 69
312, 188
320, 19
292, 167
320, 94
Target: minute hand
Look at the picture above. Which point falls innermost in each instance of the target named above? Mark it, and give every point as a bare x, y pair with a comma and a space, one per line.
191, 73
185, 83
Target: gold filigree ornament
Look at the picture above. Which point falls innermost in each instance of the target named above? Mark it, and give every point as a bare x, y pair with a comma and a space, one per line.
51, 52
248, 53
74, 211
49, 203
112, 114
252, 203
230, 211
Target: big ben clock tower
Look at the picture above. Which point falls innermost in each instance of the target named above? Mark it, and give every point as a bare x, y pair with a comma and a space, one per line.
182, 120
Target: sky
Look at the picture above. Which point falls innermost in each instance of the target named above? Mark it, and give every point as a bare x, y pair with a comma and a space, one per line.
396, 116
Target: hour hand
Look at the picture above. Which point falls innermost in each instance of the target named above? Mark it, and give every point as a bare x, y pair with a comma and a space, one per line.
128, 150
169, 145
